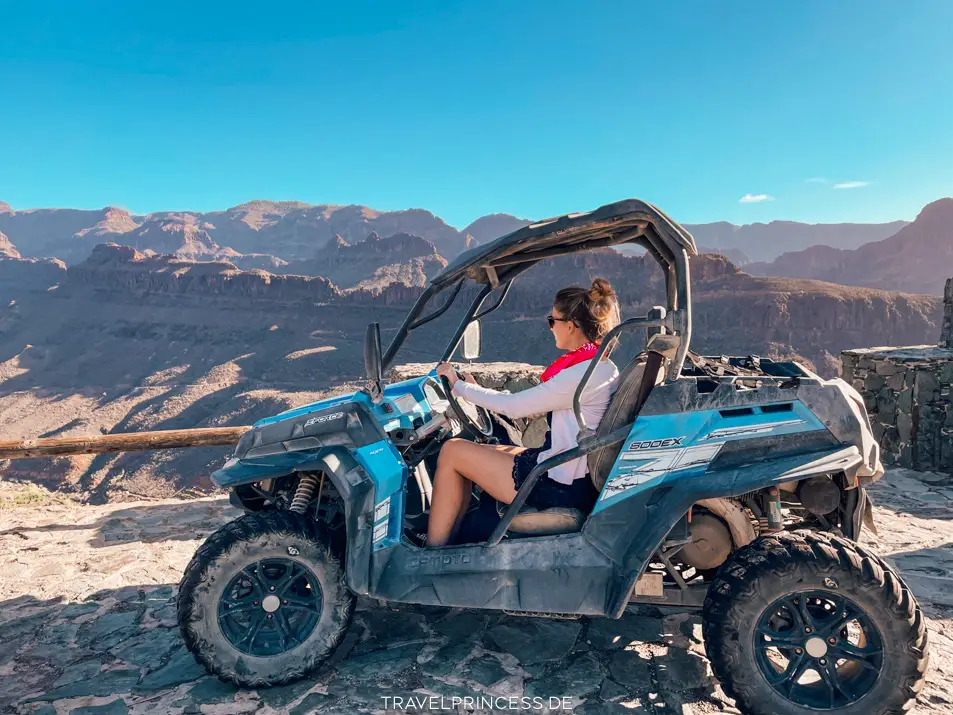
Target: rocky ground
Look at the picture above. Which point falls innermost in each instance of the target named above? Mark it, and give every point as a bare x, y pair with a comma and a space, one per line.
87, 624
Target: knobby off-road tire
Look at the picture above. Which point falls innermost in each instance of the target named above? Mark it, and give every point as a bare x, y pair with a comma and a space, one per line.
268, 538
775, 569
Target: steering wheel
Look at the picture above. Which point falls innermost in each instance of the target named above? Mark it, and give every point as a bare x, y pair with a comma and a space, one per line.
476, 420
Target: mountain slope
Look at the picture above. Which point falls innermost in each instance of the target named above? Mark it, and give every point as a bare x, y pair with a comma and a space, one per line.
767, 241
182, 235
486, 228
68, 234
373, 263
918, 258
750, 242
293, 230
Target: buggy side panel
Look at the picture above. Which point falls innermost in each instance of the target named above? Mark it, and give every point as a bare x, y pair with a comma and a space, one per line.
712, 446
561, 574
666, 447
390, 478
664, 505
591, 572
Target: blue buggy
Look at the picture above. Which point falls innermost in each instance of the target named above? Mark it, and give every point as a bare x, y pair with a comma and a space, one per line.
731, 485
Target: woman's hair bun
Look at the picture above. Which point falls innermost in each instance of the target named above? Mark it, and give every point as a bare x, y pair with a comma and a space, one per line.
601, 290
595, 310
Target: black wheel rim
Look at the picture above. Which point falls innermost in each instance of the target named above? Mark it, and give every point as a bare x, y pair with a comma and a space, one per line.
270, 607
818, 649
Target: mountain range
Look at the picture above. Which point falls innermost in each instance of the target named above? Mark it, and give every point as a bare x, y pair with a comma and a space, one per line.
916, 259
273, 231
287, 230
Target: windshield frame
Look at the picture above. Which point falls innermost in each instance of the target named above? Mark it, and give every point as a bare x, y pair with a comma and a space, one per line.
412, 321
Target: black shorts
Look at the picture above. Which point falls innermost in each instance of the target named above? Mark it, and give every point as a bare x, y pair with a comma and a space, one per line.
547, 493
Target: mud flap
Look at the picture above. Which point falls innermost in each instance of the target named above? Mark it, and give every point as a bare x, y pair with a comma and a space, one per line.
868, 519
858, 512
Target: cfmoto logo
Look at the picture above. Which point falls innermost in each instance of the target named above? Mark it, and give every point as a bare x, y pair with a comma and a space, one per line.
323, 418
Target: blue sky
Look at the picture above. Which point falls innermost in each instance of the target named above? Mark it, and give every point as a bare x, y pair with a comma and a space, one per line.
529, 108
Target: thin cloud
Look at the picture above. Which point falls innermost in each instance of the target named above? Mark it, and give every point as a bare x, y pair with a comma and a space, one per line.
817, 180
851, 185
755, 198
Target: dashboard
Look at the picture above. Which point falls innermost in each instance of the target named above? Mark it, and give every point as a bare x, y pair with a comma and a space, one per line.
408, 412
413, 409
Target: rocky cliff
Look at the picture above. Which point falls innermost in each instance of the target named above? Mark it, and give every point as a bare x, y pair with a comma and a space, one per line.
373, 263
182, 235
124, 270
7, 249
29, 273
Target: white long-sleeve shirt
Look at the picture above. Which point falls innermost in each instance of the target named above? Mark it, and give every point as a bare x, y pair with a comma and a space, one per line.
555, 395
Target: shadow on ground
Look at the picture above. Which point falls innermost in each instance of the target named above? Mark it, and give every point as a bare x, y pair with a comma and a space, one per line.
121, 648
144, 522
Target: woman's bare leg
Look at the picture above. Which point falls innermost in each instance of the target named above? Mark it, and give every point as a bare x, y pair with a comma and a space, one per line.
468, 485
461, 464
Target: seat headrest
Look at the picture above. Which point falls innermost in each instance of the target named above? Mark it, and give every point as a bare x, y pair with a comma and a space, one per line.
664, 345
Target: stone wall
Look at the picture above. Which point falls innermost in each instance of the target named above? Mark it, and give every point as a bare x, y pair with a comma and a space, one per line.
907, 392
946, 335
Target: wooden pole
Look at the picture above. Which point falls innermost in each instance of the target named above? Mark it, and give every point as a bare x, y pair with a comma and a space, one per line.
130, 442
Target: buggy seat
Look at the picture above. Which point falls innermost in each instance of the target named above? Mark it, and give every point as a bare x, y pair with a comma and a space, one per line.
636, 381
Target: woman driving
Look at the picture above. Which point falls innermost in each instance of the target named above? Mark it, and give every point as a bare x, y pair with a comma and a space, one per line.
580, 319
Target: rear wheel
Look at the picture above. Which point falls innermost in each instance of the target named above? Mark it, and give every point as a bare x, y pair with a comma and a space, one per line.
263, 601
797, 623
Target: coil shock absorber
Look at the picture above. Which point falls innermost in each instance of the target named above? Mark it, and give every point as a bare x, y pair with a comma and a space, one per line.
304, 492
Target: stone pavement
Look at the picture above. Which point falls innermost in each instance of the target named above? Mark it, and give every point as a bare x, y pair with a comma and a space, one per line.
87, 625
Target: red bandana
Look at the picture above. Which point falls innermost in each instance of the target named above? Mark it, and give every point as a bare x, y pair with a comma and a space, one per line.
586, 352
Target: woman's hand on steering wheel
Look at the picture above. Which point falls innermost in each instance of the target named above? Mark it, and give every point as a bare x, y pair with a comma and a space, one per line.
482, 427
448, 371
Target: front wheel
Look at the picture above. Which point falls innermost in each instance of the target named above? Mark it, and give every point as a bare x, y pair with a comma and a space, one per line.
263, 601
797, 623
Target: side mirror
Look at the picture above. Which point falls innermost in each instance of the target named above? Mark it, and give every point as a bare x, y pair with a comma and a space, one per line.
471, 341
372, 353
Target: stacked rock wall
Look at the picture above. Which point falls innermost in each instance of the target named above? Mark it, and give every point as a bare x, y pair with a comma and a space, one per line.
907, 394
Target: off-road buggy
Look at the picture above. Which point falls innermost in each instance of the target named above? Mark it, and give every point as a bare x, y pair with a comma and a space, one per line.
730, 485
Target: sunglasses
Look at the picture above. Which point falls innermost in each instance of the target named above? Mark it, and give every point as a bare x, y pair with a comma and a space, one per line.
552, 321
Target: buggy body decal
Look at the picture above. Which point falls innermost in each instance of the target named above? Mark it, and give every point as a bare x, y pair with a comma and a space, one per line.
749, 430
660, 448
651, 464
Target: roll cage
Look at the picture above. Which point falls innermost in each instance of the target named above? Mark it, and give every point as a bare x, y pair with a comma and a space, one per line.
497, 264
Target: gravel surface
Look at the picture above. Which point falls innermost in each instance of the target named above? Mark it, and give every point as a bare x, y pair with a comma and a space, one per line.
87, 623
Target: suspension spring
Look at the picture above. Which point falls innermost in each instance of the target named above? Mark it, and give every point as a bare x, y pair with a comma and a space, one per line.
303, 493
